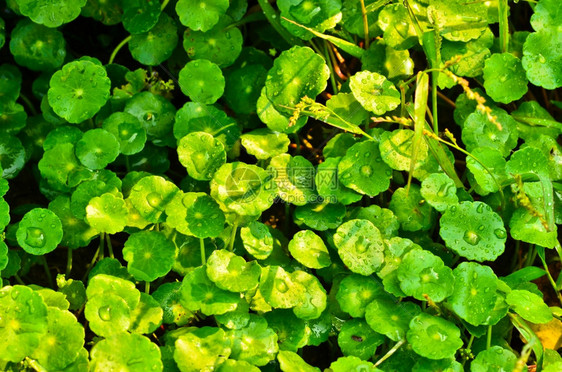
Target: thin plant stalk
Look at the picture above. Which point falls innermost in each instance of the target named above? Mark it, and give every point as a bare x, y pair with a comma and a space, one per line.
390, 352
109, 245
94, 259
118, 48
232, 237
489, 338
68, 262
102, 245
365, 23
147, 287
503, 10
48, 273
202, 248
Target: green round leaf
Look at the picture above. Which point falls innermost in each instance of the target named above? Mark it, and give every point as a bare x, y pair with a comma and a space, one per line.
156, 45
39, 231
107, 213
529, 305
140, 15
294, 177
355, 292
327, 182
358, 339
360, 246
296, 73
256, 343
439, 191
433, 337
473, 230
232, 272
198, 292
257, 240
265, 144
147, 316
149, 255
23, 322
496, 358
12, 156
202, 81
274, 119
421, 274
150, 196
320, 216
504, 78
399, 32
155, 113
107, 314
474, 296
459, 21
103, 284
74, 291
64, 340
201, 154
202, 349
391, 318
221, 45
204, 217
542, 57
11, 79
374, 92
50, 14
394, 252
291, 331
309, 249
352, 363
97, 148
315, 300
362, 169
201, 15
125, 351
37, 47
197, 117
168, 296
78, 90
411, 210
319, 15
243, 188
290, 361
397, 150
278, 288
482, 181
128, 131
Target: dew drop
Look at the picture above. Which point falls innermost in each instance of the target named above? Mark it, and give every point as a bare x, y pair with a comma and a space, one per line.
105, 313
35, 237
500, 233
366, 170
282, 286
471, 237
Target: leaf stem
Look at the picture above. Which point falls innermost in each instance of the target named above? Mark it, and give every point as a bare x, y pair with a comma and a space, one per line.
102, 245
232, 237
109, 245
365, 23
202, 248
35, 365
48, 273
390, 352
94, 259
28, 103
434, 76
147, 287
68, 262
163, 6
503, 11
117, 48
550, 278
331, 66
18, 279
489, 338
